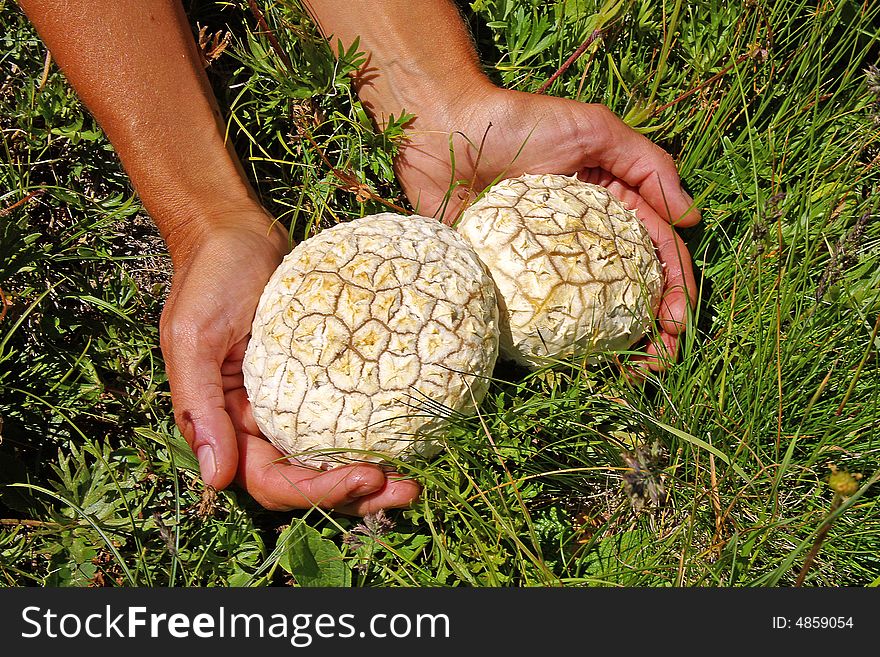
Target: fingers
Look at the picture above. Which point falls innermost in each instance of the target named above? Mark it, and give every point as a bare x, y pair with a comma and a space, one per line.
193, 368
397, 493
354, 489
679, 291
662, 351
278, 485
641, 164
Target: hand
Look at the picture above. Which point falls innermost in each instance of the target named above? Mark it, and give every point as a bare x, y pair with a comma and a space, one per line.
528, 133
205, 326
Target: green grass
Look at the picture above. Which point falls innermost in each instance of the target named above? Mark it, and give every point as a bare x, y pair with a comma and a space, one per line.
714, 473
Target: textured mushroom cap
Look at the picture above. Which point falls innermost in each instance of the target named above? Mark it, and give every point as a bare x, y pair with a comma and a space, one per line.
367, 336
575, 270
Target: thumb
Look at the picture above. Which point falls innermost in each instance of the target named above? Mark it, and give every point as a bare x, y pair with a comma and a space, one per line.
193, 365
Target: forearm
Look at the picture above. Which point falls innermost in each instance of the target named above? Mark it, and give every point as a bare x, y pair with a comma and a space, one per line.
420, 55
137, 69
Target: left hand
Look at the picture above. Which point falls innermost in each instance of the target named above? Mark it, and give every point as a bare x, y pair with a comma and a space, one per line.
529, 133
220, 272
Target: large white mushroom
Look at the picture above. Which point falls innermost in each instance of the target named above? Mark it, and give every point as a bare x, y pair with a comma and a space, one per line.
575, 270
367, 336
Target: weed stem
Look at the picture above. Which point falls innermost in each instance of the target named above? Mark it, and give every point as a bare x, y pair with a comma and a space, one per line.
571, 60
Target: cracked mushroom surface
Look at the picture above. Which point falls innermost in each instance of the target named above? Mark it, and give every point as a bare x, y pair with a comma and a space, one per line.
575, 270
367, 336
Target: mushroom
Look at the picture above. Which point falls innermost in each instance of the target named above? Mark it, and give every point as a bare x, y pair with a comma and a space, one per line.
575, 271
368, 337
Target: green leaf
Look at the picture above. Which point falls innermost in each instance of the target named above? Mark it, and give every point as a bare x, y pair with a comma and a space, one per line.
312, 560
697, 442
180, 451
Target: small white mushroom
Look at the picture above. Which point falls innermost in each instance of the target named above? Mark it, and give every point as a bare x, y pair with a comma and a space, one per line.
367, 337
575, 270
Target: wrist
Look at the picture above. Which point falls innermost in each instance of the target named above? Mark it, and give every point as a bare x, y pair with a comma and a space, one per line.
436, 103
395, 82
419, 55
186, 232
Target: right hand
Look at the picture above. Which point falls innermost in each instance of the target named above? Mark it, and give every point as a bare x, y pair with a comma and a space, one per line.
219, 276
532, 133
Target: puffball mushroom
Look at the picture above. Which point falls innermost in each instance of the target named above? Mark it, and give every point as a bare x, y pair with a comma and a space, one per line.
367, 336
575, 270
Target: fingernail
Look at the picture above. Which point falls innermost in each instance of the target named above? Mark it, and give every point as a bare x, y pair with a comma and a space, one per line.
207, 464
